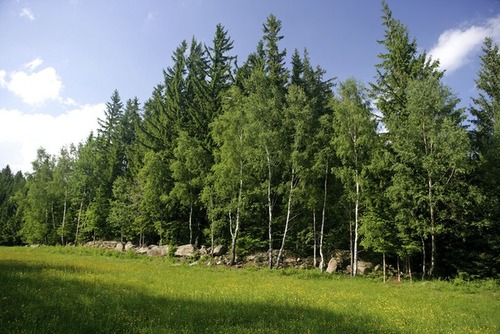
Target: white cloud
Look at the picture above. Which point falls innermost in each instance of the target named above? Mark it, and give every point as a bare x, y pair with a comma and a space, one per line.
36, 88
33, 64
455, 47
27, 14
22, 134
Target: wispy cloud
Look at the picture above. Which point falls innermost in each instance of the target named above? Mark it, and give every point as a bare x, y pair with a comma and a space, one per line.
22, 134
33, 64
34, 88
27, 14
455, 47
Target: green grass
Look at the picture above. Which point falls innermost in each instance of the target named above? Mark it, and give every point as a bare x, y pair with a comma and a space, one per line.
66, 290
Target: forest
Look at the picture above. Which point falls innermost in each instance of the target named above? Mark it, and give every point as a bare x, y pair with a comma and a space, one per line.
274, 157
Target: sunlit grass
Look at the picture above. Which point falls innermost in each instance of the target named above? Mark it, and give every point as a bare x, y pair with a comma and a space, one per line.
64, 290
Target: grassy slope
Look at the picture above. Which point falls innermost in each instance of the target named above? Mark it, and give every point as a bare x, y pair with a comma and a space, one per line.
59, 291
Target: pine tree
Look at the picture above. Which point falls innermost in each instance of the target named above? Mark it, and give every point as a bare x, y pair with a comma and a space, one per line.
400, 64
486, 145
189, 167
487, 105
175, 92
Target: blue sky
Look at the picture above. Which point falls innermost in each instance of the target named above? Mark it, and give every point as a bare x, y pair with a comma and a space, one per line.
60, 60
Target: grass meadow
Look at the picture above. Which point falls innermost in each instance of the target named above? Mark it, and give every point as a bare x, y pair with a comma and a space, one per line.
77, 290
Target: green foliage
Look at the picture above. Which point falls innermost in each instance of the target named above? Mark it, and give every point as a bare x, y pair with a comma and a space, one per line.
267, 155
11, 201
485, 138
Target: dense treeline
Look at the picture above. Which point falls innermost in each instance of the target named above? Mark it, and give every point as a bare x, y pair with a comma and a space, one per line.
270, 157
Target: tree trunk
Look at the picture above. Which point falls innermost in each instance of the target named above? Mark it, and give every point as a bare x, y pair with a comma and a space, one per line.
64, 217
315, 260
424, 258
433, 254
384, 267
78, 222
269, 209
234, 232
433, 226
399, 271
212, 227
409, 269
233, 238
288, 214
351, 248
323, 217
191, 223
356, 225
212, 232
53, 218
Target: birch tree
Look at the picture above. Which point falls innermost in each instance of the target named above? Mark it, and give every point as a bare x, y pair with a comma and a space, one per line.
355, 132
432, 156
231, 171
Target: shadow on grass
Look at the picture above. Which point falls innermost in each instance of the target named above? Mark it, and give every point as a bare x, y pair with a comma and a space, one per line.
37, 298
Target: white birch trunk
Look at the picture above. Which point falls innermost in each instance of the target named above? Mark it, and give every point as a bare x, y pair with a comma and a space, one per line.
288, 214
323, 217
269, 208
384, 268
234, 233
64, 217
191, 223
424, 258
433, 232
356, 226
78, 222
315, 259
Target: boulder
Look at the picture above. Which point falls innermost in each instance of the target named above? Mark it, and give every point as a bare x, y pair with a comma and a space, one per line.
332, 266
185, 250
109, 244
364, 268
141, 250
102, 244
129, 246
257, 258
219, 250
157, 251
337, 261
119, 247
90, 244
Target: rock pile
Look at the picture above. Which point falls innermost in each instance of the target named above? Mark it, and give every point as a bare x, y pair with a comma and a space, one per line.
339, 260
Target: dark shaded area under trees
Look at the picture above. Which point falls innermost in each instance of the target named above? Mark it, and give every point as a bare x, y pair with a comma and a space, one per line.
265, 157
